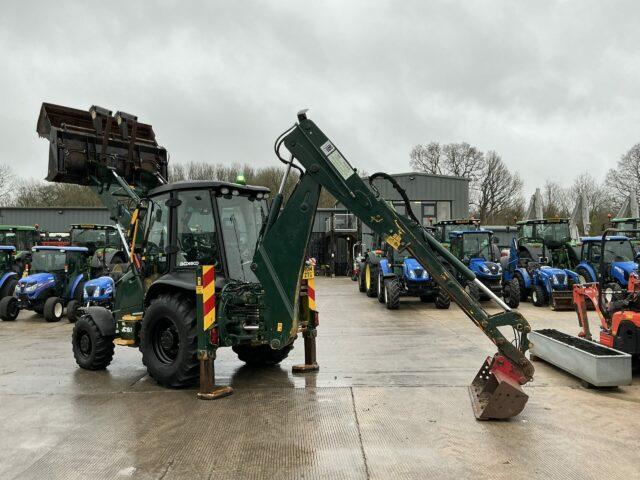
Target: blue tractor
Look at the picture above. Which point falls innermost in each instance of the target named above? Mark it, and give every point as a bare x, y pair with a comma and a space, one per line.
55, 281
479, 251
404, 276
546, 285
608, 260
99, 292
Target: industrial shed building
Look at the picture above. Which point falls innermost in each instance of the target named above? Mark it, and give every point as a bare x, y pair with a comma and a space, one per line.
53, 219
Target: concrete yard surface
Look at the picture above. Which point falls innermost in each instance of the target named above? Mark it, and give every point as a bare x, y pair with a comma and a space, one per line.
390, 401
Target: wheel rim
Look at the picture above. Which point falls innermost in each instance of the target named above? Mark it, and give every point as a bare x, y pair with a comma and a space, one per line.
165, 341
57, 310
84, 344
582, 278
367, 277
608, 294
386, 295
534, 296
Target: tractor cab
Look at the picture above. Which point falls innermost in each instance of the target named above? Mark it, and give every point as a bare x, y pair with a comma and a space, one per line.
104, 244
631, 227
443, 229
611, 257
546, 241
23, 239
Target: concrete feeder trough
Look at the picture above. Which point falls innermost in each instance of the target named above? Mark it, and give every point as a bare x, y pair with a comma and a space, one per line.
595, 364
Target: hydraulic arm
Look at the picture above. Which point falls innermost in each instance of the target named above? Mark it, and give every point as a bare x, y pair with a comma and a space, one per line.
496, 390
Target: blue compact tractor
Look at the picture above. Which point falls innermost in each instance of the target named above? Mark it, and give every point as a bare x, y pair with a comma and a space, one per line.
99, 292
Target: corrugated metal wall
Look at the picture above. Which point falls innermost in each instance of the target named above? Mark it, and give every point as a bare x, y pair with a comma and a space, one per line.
53, 219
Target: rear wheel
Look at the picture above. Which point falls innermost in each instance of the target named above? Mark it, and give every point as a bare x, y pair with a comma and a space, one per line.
261, 355
361, 284
443, 300
168, 341
9, 309
91, 349
72, 311
538, 296
53, 309
511, 293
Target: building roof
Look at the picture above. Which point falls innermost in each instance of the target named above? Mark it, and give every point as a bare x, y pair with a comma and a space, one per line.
208, 184
63, 249
613, 238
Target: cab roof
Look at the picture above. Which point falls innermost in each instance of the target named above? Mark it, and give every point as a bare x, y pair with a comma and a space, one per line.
206, 184
613, 238
459, 233
92, 226
60, 248
9, 248
459, 221
21, 228
542, 221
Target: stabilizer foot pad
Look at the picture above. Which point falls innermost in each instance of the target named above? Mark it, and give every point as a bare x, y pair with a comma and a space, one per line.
217, 392
314, 367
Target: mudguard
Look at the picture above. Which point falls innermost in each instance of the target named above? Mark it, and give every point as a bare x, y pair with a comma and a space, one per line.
74, 284
5, 277
589, 269
525, 276
103, 319
384, 267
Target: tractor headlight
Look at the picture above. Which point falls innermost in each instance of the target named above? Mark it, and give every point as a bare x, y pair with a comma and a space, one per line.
412, 274
498, 269
32, 287
425, 274
554, 279
96, 293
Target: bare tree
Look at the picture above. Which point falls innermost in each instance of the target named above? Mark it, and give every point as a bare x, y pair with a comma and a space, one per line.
499, 195
463, 160
37, 193
6, 183
428, 158
626, 176
557, 200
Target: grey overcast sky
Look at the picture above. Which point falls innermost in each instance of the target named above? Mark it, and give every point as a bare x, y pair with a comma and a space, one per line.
551, 86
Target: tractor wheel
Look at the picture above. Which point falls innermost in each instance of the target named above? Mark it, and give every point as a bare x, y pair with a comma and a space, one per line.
521, 288
361, 285
511, 293
53, 309
9, 309
392, 294
584, 276
538, 296
261, 355
380, 288
91, 349
443, 300
473, 291
168, 341
9, 288
370, 281
612, 292
72, 311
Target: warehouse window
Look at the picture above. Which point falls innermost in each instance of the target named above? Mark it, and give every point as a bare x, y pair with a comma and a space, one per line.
444, 211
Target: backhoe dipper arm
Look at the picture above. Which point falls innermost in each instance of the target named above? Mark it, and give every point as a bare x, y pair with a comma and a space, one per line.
323, 161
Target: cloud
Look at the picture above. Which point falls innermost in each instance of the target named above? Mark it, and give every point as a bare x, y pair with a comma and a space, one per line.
551, 86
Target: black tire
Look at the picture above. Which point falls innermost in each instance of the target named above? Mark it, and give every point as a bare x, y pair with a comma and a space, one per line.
473, 291
380, 288
370, 280
91, 349
539, 296
511, 293
53, 309
584, 273
361, 286
72, 311
9, 309
443, 300
261, 355
168, 341
9, 287
392, 294
522, 288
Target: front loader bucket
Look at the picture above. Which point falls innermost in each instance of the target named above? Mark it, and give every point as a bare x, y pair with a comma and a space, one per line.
562, 300
495, 395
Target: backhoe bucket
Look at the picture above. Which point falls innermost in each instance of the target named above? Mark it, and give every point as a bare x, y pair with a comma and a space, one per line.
562, 300
495, 394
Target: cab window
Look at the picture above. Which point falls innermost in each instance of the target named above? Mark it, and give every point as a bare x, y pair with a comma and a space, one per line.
157, 235
196, 233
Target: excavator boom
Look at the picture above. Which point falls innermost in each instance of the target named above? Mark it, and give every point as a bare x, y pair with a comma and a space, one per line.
496, 390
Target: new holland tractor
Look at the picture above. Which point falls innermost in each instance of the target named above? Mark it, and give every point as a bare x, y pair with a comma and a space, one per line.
609, 260
478, 250
443, 228
542, 261
55, 281
213, 266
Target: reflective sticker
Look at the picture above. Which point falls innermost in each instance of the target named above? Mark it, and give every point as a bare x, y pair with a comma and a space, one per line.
394, 240
279, 327
308, 273
208, 296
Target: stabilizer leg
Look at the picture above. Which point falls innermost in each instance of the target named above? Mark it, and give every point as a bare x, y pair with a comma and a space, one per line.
310, 361
208, 388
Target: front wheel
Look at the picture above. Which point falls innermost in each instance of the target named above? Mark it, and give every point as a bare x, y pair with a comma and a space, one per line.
261, 355
538, 296
9, 309
511, 293
53, 309
91, 349
168, 341
443, 300
392, 294
72, 311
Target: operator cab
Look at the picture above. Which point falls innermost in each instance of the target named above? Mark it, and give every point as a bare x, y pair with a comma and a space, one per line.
6, 258
48, 259
444, 228
196, 223
94, 237
474, 244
